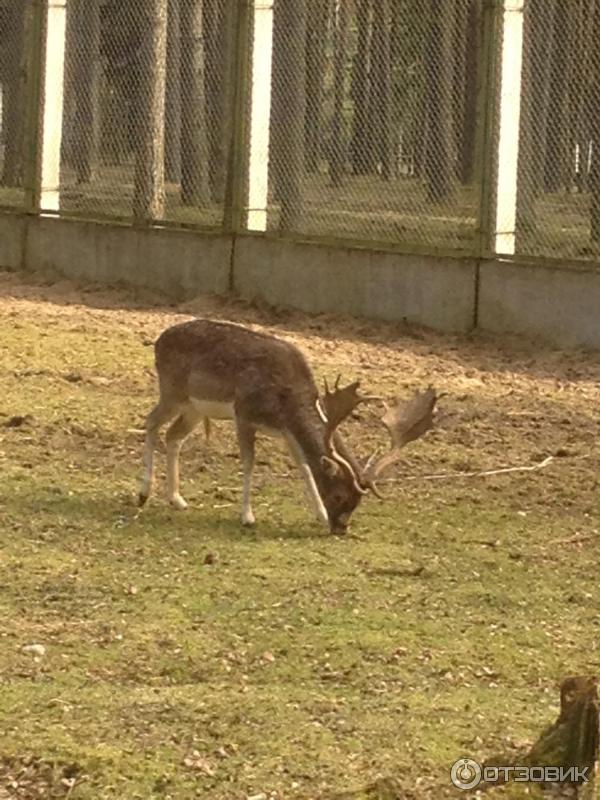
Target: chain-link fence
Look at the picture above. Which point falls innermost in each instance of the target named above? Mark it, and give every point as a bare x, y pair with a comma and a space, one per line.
147, 108
373, 119
13, 25
558, 197
436, 124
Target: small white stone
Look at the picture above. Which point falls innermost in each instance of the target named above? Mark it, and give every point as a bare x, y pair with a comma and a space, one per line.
35, 649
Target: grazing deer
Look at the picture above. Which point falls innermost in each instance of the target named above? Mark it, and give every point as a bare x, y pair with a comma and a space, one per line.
219, 370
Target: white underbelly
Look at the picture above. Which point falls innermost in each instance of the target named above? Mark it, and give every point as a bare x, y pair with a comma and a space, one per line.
215, 410
212, 408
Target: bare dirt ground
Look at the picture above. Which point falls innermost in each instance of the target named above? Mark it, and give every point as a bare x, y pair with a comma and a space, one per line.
510, 402
315, 665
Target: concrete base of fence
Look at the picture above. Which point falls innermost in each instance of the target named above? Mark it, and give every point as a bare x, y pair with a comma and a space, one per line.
558, 304
12, 241
437, 292
177, 262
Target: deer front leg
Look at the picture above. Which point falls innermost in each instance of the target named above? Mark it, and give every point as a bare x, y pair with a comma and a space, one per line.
179, 430
246, 439
312, 491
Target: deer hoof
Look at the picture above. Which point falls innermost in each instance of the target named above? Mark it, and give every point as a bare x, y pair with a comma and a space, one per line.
178, 502
248, 519
142, 499
322, 519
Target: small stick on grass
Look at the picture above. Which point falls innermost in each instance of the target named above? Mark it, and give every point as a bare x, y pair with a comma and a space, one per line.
483, 474
576, 538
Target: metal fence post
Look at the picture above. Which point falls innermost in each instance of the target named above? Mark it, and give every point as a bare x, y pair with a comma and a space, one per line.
490, 53
235, 213
35, 59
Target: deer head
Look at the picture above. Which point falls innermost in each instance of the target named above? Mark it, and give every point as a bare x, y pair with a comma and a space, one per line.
346, 483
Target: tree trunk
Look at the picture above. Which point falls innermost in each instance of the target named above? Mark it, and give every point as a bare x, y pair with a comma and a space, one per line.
555, 160
537, 43
221, 101
292, 112
469, 124
115, 122
316, 40
277, 132
337, 146
398, 88
211, 10
594, 115
543, 46
577, 72
13, 94
194, 139
526, 216
380, 116
69, 87
439, 150
585, 131
420, 134
459, 47
415, 32
361, 150
149, 179
86, 85
173, 96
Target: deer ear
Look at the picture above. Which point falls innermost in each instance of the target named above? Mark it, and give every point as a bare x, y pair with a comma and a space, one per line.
331, 467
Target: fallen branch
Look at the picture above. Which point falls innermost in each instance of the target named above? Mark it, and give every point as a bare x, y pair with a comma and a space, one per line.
482, 474
412, 572
575, 539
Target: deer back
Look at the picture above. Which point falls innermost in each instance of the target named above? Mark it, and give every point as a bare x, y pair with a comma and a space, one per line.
267, 379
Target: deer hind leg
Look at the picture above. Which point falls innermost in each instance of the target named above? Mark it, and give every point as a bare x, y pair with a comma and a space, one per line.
246, 434
162, 413
177, 433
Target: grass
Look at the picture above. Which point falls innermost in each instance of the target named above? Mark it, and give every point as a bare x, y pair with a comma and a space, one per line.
187, 657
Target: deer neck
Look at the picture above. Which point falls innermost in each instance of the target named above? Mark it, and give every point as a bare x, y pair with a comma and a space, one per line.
309, 434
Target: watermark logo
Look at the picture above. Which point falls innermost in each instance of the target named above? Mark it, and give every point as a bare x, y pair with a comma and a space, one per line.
468, 774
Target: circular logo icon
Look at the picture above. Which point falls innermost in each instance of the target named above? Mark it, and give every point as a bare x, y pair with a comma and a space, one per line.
465, 774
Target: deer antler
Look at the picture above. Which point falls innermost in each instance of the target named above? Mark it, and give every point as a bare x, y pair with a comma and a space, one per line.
337, 405
405, 422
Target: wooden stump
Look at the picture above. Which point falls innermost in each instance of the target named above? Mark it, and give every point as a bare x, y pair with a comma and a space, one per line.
571, 741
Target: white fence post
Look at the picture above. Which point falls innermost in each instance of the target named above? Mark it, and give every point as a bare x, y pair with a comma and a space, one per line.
260, 113
52, 94
509, 126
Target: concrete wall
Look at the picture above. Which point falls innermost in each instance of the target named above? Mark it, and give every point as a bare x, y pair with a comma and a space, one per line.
437, 292
12, 241
559, 304
177, 262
